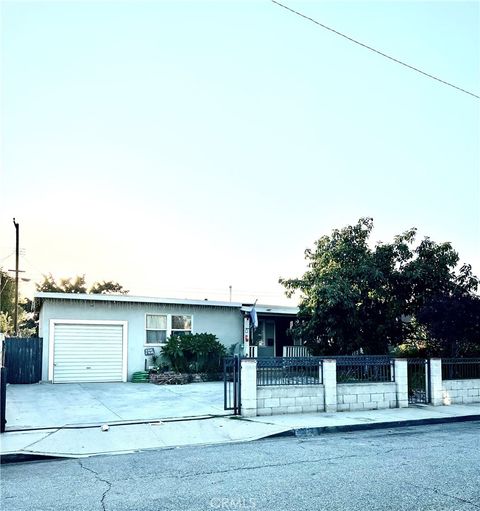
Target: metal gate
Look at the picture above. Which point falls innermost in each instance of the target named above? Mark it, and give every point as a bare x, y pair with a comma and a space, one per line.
231, 384
418, 381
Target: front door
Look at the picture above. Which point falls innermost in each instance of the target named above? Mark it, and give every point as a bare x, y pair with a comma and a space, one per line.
265, 337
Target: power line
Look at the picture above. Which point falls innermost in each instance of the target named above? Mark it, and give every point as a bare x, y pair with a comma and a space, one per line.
8, 256
374, 50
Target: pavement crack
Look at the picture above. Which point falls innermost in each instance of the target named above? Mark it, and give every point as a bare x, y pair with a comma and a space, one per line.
41, 439
443, 494
268, 465
97, 476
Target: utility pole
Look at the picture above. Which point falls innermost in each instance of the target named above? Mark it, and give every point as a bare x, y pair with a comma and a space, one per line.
17, 252
230, 289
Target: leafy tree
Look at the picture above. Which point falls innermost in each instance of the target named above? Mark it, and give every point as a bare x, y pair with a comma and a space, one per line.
354, 297
6, 323
108, 287
452, 323
7, 293
78, 285
72, 285
26, 323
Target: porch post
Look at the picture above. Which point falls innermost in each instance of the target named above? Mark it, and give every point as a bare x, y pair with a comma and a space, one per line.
248, 383
246, 336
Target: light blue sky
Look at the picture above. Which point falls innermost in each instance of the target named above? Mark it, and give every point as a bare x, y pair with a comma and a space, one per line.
180, 147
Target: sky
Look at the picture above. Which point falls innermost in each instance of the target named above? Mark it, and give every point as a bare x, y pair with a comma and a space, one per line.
180, 148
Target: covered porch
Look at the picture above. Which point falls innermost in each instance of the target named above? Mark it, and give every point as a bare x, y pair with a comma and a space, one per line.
271, 338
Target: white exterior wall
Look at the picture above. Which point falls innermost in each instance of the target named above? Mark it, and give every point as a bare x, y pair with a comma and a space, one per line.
366, 396
279, 399
457, 392
225, 322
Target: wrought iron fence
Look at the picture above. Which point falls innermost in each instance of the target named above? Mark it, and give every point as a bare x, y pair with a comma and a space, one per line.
358, 369
460, 368
289, 371
418, 378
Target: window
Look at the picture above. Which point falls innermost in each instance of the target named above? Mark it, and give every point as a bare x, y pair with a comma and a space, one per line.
181, 325
156, 326
161, 326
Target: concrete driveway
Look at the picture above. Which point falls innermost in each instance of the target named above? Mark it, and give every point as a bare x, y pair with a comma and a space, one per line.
44, 405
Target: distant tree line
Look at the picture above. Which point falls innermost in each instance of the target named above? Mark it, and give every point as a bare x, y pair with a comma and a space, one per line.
27, 316
78, 285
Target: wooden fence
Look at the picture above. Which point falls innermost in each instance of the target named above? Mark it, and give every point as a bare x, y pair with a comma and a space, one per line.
23, 359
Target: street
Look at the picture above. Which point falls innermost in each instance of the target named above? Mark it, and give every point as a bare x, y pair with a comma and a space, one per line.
433, 467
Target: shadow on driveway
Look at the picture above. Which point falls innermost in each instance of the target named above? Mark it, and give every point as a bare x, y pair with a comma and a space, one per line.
45, 405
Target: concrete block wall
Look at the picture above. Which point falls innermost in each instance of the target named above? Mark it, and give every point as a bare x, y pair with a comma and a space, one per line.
280, 399
366, 396
457, 392
332, 397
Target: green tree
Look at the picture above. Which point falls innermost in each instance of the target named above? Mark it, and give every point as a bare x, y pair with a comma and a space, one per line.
26, 322
108, 287
354, 297
71, 285
452, 323
7, 293
78, 285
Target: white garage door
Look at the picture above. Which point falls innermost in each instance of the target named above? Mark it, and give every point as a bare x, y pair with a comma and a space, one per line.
87, 353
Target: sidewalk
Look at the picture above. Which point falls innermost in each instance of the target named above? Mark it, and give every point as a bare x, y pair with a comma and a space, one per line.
125, 438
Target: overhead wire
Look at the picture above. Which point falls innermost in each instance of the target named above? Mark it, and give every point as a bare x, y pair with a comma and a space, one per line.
374, 50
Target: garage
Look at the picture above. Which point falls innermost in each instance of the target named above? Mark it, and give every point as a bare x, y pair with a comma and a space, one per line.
88, 351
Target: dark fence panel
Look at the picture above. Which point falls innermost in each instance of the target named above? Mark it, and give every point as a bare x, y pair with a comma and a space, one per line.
289, 371
460, 368
3, 398
23, 359
418, 377
357, 369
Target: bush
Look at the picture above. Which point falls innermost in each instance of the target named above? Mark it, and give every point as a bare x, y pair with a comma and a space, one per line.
194, 353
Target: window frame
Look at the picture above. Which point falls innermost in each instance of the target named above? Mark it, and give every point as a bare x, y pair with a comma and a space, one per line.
169, 330
145, 342
184, 330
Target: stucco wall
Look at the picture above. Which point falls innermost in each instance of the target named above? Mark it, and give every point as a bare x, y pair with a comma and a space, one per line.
279, 399
225, 322
457, 392
366, 396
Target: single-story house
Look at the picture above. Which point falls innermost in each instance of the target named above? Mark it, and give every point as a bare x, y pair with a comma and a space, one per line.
104, 338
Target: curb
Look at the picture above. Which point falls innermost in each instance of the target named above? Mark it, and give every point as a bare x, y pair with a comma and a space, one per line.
317, 431
91, 425
24, 458
293, 432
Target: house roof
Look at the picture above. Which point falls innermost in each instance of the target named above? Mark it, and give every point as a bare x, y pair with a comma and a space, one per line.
40, 297
261, 309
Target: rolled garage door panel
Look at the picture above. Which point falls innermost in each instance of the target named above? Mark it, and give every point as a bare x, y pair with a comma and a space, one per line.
88, 353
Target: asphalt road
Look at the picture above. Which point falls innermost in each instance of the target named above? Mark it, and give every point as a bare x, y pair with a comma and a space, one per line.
419, 468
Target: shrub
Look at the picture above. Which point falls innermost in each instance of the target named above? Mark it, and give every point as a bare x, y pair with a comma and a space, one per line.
194, 353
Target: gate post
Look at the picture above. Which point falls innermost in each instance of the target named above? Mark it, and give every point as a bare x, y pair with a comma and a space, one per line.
436, 383
248, 384
330, 384
401, 382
